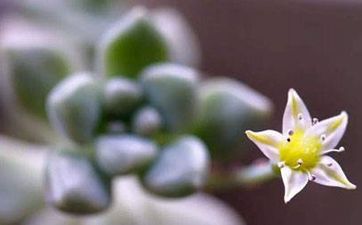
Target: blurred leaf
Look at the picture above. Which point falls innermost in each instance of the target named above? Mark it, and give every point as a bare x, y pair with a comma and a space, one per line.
147, 121
122, 154
181, 168
131, 45
172, 90
133, 206
73, 185
184, 47
35, 71
227, 108
74, 107
115, 127
21, 179
121, 97
35, 61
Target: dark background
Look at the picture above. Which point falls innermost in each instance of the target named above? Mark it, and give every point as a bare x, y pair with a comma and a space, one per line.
314, 46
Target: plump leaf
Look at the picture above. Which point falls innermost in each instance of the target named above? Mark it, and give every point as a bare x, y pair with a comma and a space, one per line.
184, 47
172, 89
121, 97
122, 154
147, 121
131, 45
74, 107
73, 185
34, 72
227, 108
181, 168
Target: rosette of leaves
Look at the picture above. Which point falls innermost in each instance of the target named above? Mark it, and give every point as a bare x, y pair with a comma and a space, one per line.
141, 114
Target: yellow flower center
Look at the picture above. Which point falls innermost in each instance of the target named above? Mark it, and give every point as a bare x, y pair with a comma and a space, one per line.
300, 152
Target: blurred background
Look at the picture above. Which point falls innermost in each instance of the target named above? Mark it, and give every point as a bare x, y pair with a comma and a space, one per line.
273, 45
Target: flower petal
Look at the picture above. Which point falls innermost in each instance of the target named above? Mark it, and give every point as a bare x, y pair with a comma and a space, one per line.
332, 129
294, 181
296, 114
267, 141
330, 173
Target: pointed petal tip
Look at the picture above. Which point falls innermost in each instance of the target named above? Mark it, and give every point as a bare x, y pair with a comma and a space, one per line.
286, 200
344, 114
249, 133
292, 91
351, 186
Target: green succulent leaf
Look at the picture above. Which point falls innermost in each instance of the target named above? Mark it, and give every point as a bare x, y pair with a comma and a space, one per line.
74, 107
184, 47
172, 89
227, 108
147, 121
123, 154
75, 186
181, 168
121, 97
34, 71
131, 45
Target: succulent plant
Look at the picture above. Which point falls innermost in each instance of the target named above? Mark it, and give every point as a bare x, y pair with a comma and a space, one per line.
142, 109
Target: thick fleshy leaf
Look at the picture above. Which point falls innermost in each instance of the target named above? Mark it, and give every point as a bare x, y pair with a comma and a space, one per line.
122, 154
330, 130
73, 185
296, 114
147, 121
184, 47
34, 62
226, 108
74, 107
181, 168
34, 72
121, 97
294, 182
330, 173
172, 90
131, 45
268, 142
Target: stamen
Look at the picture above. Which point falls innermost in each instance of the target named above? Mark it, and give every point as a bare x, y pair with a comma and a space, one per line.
340, 149
290, 132
288, 139
323, 137
311, 177
300, 116
281, 164
300, 162
315, 121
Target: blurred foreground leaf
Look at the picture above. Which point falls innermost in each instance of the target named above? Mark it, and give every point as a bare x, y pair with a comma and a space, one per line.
227, 109
74, 107
172, 89
73, 185
181, 168
131, 45
122, 154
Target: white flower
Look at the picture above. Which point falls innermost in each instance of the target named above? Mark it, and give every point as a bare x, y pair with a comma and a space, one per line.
300, 150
